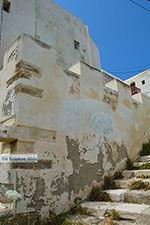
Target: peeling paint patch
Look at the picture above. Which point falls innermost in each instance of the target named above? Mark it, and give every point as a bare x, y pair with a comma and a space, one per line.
84, 173
37, 200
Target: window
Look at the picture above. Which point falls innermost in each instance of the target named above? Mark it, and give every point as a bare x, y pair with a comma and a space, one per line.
6, 6
143, 82
76, 45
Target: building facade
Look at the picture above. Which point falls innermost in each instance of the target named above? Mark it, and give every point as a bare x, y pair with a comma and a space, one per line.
55, 101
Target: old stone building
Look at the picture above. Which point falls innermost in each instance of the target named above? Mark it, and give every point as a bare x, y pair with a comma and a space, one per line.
56, 101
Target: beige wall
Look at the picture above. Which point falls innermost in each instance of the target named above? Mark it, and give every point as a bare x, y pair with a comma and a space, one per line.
80, 128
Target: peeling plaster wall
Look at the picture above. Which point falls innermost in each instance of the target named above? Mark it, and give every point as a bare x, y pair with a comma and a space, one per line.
81, 129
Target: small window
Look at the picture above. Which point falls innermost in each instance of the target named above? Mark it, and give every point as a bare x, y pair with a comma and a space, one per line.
143, 82
6, 6
76, 45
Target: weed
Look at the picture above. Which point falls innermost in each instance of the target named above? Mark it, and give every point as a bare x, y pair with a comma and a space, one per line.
138, 185
114, 215
19, 219
80, 211
129, 164
109, 183
118, 175
143, 176
145, 166
98, 195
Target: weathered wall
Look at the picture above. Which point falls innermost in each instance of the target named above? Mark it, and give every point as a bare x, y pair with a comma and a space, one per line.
51, 24
80, 128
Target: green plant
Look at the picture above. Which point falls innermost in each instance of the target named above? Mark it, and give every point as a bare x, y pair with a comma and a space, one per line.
114, 215
118, 175
143, 176
78, 210
129, 164
109, 183
20, 219
98, 195
138, 185
145, 149
145, 166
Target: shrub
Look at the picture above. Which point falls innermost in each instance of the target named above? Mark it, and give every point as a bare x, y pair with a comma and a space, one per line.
109, 183
98, 195
138, 185
145, 149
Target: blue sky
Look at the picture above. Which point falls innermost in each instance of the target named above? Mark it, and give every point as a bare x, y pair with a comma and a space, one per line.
120, 29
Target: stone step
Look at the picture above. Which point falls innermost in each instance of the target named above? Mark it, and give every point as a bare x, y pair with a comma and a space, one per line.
125, 183
144, 158
135, 173
134, 196
125, 210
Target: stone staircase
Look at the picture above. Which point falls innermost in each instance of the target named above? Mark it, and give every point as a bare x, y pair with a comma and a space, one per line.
133, 206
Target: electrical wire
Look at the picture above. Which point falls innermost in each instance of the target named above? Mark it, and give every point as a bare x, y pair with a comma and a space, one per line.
139, 5
133, 71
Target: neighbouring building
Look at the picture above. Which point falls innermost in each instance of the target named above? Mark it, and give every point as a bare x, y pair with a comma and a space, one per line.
56, 101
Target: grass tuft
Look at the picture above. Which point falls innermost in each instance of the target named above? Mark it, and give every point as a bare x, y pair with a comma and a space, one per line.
145, 166
109, 183
118, 175
98, 195
138, 185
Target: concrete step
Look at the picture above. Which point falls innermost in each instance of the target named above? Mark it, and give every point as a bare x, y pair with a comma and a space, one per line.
135, 173
125, 210
134, 196
144, 158
125, 183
